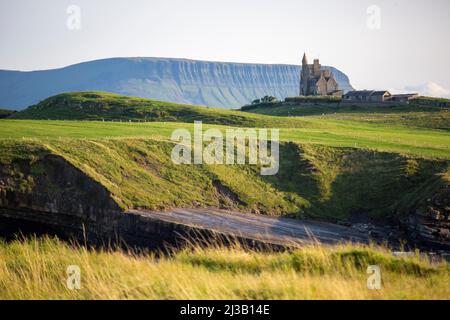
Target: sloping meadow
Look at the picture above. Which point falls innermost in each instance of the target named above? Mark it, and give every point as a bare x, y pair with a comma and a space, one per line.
313, 181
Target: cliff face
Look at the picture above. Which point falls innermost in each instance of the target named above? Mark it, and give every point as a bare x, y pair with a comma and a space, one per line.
215, 84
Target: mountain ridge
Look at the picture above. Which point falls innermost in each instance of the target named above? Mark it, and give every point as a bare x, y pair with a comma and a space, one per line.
210, 83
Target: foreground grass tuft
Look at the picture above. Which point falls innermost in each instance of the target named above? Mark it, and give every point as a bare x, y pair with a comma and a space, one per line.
36, 269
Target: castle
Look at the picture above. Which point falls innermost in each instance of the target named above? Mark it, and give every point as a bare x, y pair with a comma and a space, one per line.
317, 82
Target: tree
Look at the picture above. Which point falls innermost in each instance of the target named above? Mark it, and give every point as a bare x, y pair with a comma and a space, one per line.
268, 99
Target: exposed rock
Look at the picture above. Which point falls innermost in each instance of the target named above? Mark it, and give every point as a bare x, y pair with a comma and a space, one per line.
227, 198
430, 225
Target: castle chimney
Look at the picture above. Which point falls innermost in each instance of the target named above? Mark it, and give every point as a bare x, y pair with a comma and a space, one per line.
316, 68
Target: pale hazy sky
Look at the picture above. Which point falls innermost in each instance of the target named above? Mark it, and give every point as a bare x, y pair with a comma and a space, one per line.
410, 48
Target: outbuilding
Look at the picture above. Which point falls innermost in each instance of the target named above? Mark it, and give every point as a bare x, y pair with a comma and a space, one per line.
367, 96
404, 98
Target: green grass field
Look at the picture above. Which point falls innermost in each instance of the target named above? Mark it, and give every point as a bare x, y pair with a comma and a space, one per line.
314, 130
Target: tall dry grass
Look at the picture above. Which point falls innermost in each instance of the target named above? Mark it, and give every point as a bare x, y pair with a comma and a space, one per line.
36, 269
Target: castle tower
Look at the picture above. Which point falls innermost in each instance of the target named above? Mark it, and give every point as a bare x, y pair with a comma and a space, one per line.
304, 76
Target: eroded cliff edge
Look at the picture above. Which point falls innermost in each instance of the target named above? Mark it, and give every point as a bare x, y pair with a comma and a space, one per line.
42, 193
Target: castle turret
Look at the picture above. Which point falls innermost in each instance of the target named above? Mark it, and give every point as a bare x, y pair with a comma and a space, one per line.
304, 60
304, 76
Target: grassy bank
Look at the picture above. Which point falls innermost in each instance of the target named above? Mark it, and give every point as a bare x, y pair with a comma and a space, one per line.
312, 181
36, 269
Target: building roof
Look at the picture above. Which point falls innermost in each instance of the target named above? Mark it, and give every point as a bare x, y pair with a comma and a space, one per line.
359, 93
366, 93
380, 93
405, 95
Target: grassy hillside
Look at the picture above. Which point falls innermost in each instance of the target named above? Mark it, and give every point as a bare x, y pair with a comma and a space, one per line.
112, 107
36, 269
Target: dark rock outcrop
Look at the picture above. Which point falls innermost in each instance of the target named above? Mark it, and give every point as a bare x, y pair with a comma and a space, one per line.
215, 84
52, 193
430, 224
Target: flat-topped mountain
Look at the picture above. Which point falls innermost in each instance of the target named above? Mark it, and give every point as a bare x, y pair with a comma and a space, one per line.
216, 84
